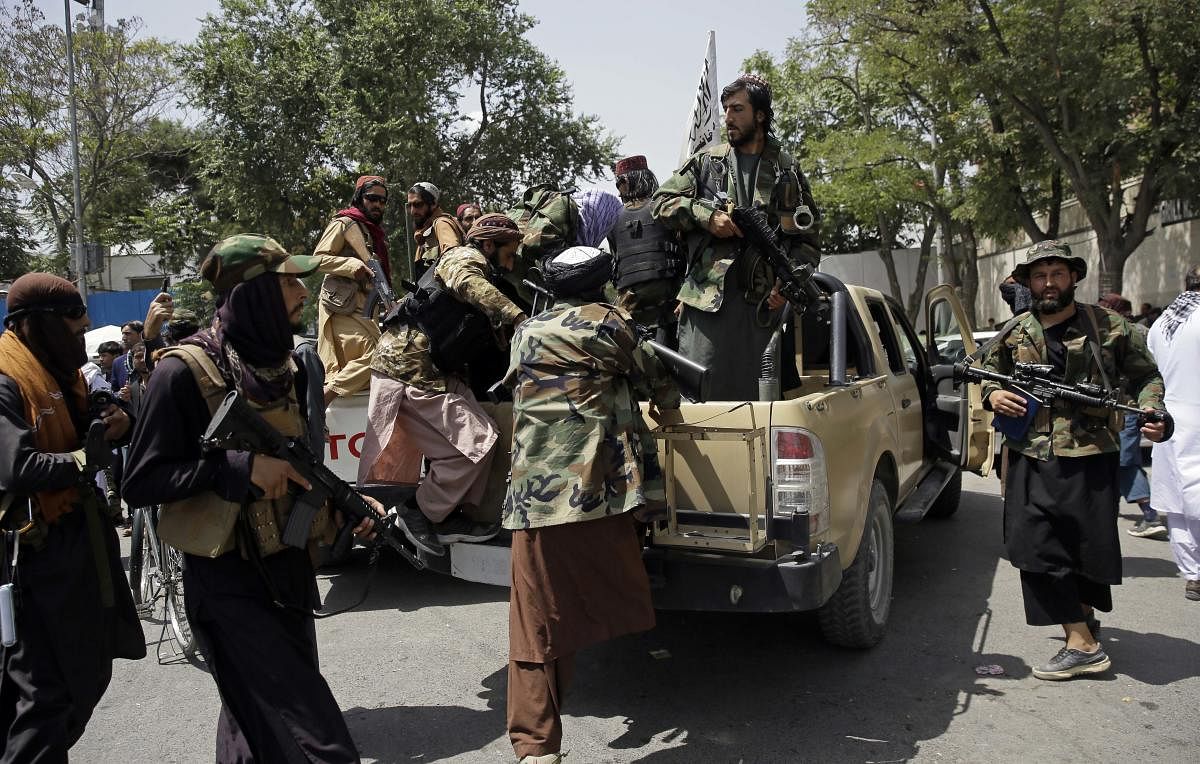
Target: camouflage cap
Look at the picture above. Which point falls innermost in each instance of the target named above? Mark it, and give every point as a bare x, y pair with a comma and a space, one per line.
244, 256
1047, 250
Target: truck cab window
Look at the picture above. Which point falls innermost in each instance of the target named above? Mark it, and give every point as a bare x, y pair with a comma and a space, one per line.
887, 336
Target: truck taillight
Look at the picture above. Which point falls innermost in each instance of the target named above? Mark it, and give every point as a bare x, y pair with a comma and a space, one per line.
801, 486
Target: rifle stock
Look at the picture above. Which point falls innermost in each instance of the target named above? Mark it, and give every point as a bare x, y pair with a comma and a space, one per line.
236, 426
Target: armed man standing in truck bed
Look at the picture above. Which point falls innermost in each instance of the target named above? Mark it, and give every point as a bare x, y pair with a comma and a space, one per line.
345, 337
728, 298
1061, 493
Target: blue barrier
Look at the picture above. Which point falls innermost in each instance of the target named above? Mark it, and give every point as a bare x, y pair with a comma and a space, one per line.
114, 308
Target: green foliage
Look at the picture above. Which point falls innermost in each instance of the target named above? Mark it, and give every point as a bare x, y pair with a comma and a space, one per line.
303, 96
123, 84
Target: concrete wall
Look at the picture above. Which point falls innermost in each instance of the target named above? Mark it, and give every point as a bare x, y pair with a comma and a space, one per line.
1153, 274
866, 269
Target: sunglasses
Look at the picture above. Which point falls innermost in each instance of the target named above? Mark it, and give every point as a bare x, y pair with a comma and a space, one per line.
377, 198
73, 312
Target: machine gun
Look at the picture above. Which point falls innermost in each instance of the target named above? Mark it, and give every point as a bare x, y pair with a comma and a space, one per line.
691, 377
796, 279
381, 291
236, 426
98, 453
1034, 379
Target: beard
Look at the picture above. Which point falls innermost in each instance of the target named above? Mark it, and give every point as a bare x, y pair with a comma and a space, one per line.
1049, 307
740, 139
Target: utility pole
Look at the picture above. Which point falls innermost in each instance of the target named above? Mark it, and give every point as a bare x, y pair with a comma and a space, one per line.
80, 256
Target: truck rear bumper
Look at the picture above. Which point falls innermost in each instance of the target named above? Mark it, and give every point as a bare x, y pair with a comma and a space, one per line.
681, 580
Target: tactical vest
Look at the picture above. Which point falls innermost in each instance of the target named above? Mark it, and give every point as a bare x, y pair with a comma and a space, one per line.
645, 250
430, 248
340, 295
204, 524
791, 188
455, 328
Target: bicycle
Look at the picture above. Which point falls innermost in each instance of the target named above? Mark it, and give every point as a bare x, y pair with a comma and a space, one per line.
156, 571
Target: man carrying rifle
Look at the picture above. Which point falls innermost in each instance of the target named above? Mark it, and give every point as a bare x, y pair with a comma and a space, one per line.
729, 297
583, 461
1061, 493
249, 596
345, 336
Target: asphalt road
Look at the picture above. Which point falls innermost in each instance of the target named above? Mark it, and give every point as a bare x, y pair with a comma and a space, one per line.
420, 673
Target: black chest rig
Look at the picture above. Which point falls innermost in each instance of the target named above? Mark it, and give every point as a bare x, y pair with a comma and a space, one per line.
456, 329
645, 250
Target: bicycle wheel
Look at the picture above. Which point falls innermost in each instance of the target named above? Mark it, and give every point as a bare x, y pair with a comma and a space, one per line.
140, 559
172, 561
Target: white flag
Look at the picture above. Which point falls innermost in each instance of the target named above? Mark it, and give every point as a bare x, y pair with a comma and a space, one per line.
704, 127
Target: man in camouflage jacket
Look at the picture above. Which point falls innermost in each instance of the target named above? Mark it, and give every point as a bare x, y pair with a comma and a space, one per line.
728, 297
433, 405
582, 461
1061, 497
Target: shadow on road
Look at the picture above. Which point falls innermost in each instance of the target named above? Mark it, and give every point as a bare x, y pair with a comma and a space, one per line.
752, 687
1148, 567
396, 585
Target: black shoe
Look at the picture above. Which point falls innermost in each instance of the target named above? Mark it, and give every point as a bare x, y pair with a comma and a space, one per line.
416, 528
458, 527
1069, 662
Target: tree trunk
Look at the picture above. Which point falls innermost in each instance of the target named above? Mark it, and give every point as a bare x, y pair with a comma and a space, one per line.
885, 254
1111, 277
913, 306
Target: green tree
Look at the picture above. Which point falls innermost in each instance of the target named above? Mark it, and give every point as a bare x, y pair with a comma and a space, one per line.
302, 96
124, 83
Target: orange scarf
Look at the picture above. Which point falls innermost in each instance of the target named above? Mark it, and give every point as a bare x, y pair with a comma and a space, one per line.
47, 415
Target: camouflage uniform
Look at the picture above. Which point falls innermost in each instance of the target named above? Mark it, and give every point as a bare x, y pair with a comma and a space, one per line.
1068, 429
403, 351
1061, 496
724, 311
437, 411
581, 449
345, 337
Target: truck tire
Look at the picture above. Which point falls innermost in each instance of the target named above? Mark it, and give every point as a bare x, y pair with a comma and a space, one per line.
947, 501
857, 613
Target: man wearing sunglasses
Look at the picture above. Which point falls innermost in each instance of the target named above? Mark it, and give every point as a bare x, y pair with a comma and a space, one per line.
437, 231
345, 337
72, 611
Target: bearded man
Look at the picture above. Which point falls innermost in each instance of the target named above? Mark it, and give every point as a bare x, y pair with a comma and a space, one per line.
436, 230
249, 597
73, 611
1061, 489
345, 337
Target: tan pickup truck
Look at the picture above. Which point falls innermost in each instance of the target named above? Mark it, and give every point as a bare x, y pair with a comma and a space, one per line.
789, 504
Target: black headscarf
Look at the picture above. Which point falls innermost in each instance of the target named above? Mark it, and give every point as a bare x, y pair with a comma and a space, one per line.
251, 338
60, 351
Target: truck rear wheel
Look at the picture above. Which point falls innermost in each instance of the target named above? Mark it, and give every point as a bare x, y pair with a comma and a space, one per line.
857, 613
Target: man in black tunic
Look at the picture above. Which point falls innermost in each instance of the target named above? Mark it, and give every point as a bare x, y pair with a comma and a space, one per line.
73, 611
1061, 494
249, 597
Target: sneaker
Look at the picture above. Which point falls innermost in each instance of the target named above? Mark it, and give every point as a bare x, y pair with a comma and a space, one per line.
549, 758
459, 527
1069, 662
1191, 590
1148, 529
416, 528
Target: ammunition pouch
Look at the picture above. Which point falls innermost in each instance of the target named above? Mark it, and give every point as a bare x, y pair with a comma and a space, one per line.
339, 295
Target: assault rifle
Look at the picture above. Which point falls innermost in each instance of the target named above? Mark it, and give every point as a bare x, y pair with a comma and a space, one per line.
98, 453
381, 291
236, 426
796, 279
1034, 379
691, 377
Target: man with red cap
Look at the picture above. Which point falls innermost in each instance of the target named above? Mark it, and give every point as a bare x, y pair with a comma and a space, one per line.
345, 337
648, 255
70, 608
467, 213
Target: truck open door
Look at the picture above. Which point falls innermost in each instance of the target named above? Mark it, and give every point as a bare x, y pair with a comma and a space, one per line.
962, 428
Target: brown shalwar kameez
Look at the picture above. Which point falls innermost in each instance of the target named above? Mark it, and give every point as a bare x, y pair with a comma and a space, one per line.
573, 585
